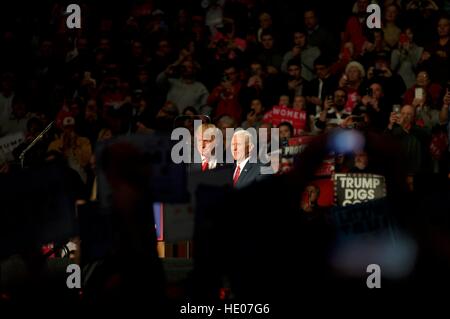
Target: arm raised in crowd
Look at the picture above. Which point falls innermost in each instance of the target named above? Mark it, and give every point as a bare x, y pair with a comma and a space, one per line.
163, 79
321, 121
393, 119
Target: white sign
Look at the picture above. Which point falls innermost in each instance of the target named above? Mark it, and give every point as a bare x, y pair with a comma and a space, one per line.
357, 188
9, 142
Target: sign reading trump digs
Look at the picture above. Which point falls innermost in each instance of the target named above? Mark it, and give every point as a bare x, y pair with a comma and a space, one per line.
357, 188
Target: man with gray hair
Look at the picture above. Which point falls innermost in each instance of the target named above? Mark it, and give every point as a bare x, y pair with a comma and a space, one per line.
206, 144
247, 170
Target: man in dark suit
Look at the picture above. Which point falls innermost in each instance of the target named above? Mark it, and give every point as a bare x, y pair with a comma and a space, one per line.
247, 170
322, 86
206, 143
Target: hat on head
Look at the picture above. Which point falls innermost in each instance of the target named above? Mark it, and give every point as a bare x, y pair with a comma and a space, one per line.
69, 120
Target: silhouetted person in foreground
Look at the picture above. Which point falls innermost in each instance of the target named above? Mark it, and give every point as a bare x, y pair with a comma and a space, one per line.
131, 274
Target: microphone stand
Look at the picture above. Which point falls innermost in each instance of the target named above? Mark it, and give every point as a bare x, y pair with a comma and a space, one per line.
37, 139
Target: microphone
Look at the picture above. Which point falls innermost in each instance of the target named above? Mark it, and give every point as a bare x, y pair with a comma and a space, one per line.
37, 139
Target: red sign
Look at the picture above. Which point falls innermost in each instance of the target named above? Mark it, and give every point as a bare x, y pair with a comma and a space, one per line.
301, 140
282, 113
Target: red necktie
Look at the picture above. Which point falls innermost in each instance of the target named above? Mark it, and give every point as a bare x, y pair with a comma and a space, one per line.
204, 166
236, 175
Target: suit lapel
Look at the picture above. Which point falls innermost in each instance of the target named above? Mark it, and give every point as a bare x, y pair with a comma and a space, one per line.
195, 167
242, 176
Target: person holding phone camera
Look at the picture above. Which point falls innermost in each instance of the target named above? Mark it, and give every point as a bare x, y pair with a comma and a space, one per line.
224, 98
260, 85
333, 112
374, 107
374, 93
373, 47
185, 90
255, 115
322, 86
414, 140
257, 76
427, 116
392, 83
405, 59
301, 49
426, 84
379, 70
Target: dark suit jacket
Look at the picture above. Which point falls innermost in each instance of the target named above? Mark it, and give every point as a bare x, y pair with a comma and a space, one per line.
197, 167
329, 85
250, 174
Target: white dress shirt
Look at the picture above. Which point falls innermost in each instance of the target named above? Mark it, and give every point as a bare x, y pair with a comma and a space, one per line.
212, 162
241, 166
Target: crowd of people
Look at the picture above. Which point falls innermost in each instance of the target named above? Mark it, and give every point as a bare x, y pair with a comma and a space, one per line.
238, 62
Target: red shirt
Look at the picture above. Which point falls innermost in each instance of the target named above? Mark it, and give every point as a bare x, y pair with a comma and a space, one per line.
352, 100
354, 33
227, 104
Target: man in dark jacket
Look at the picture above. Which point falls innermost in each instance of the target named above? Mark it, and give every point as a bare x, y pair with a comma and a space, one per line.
247, 170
